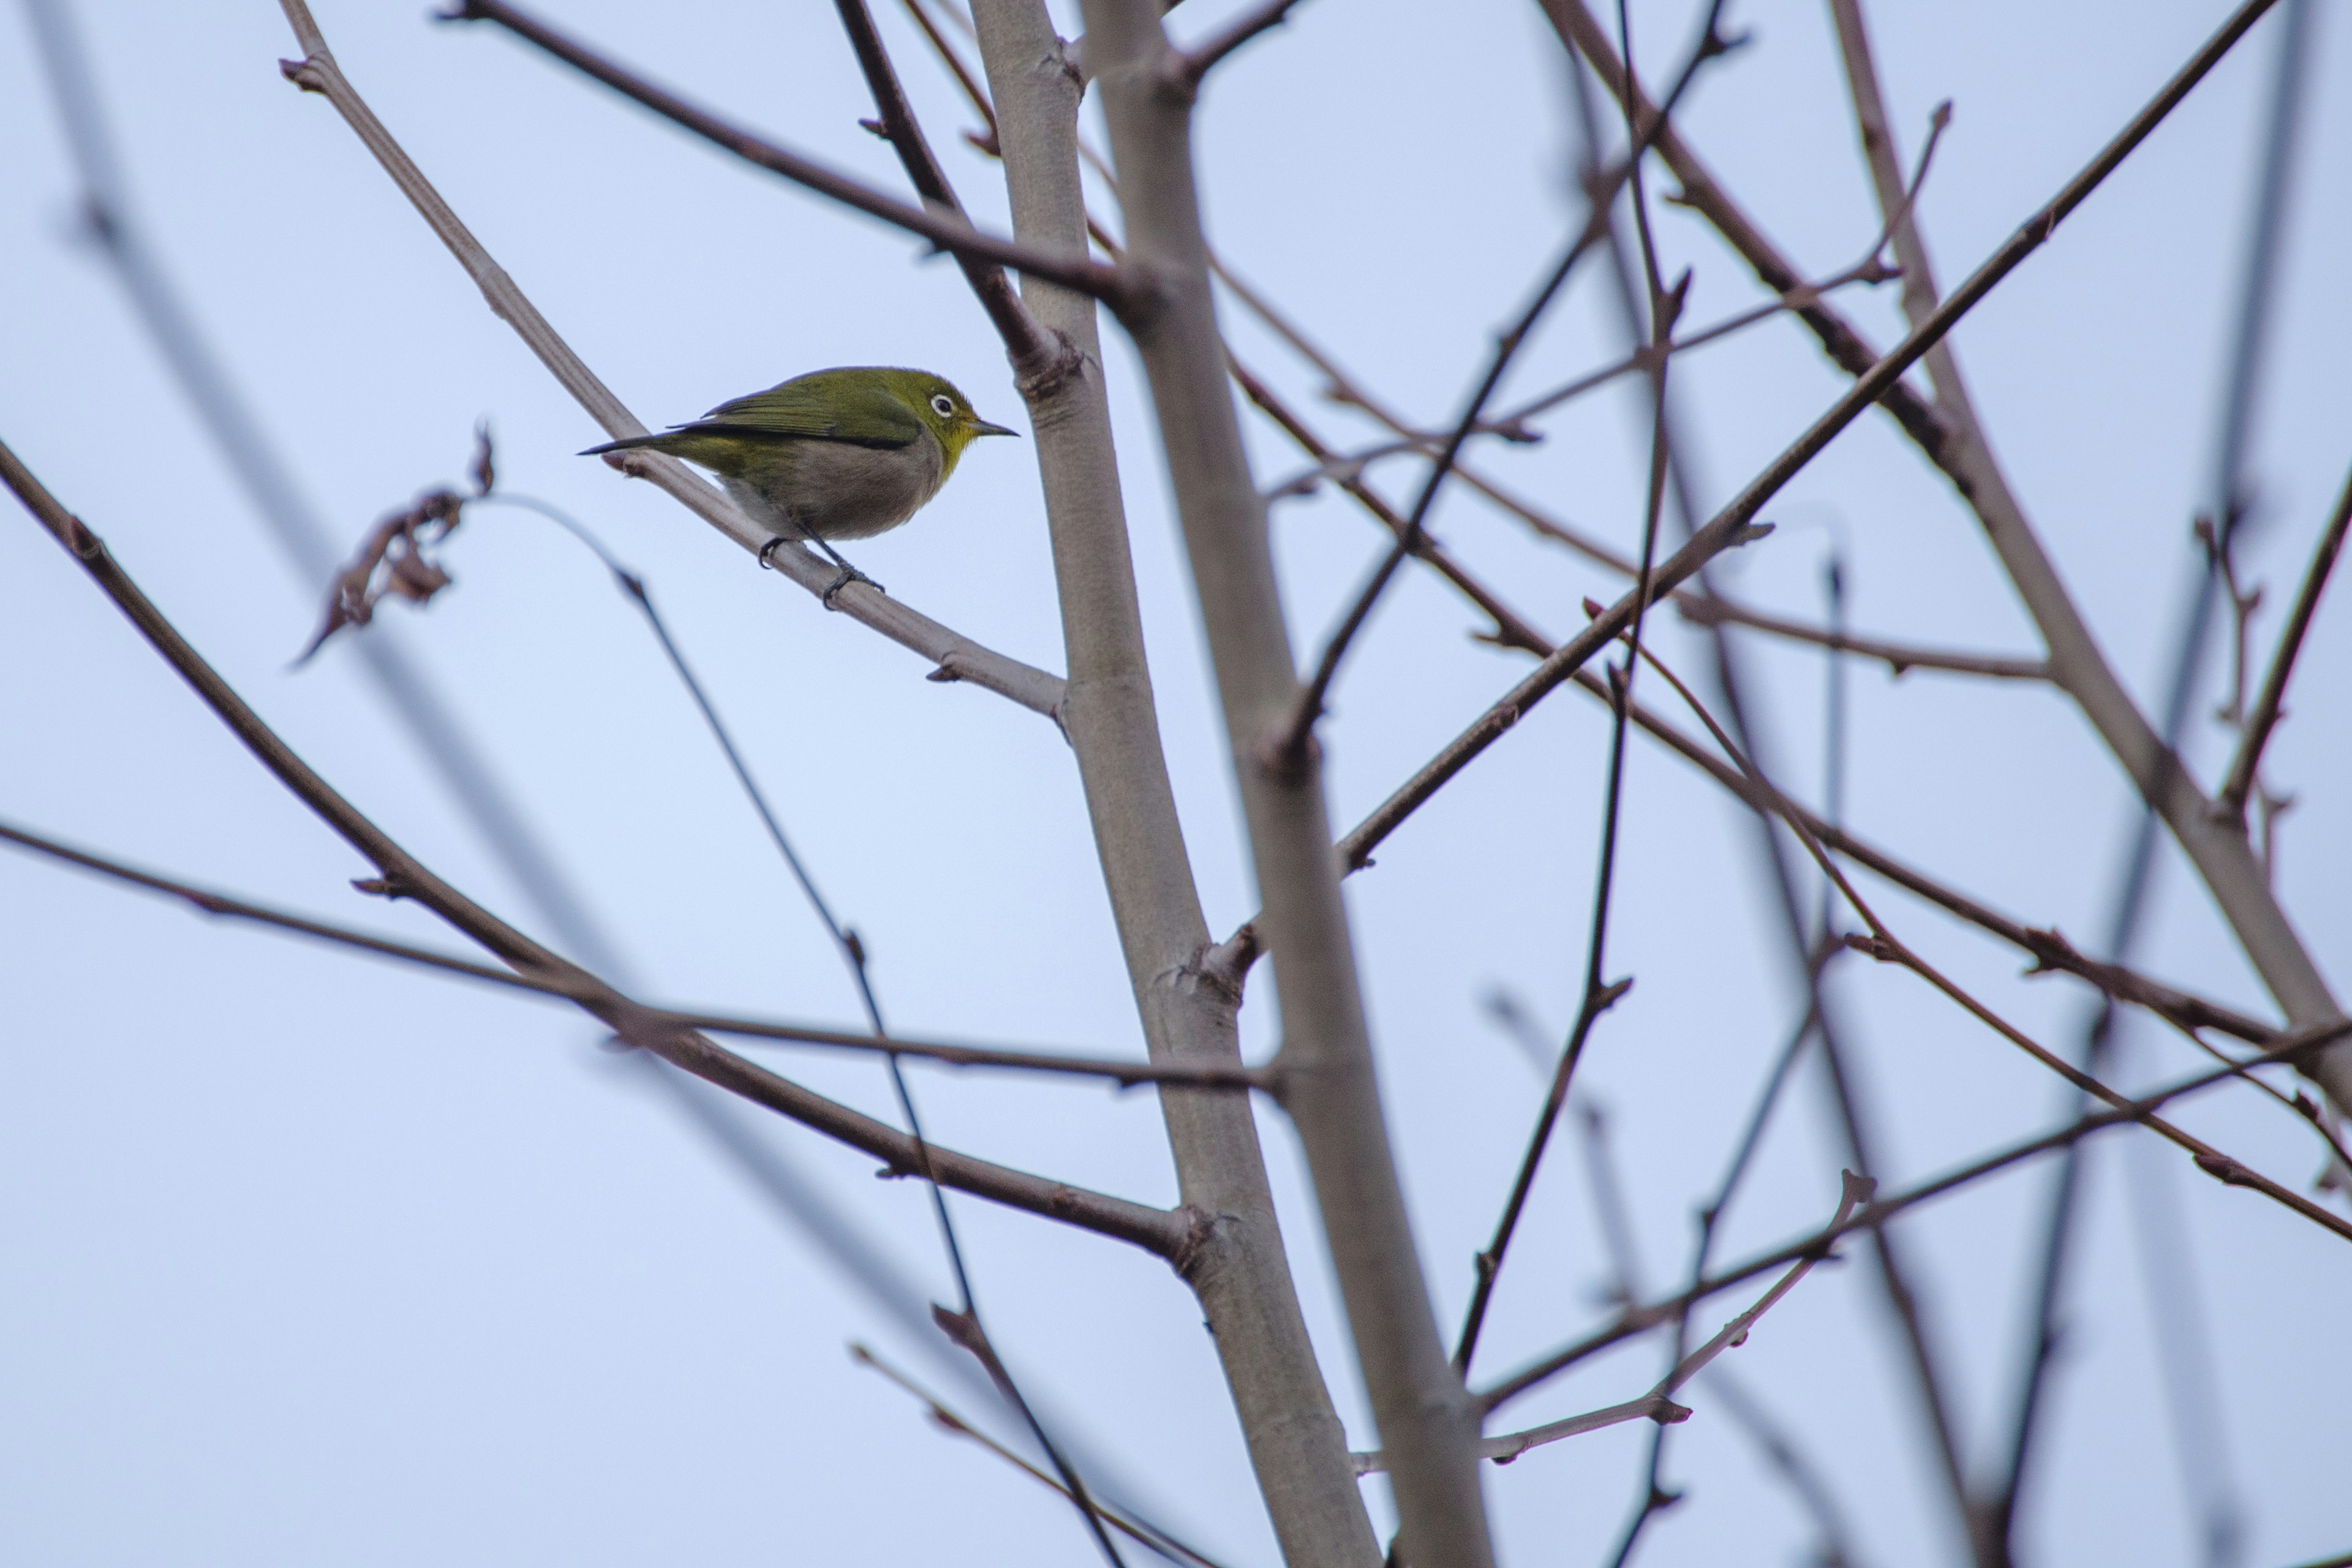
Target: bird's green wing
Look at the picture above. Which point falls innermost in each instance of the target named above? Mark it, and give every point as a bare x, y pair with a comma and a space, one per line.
849, 405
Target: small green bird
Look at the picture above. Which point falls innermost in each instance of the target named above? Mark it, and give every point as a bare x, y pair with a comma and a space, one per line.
834, 453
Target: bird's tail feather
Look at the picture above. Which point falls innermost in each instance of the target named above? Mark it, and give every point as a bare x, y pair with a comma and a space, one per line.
629, 443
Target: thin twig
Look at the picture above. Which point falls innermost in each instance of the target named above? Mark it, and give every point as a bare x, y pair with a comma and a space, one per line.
2129, 906
642, 1020
1600, 993
1658, 1405
949, 232
1882, 944
1707, 610
1030, 346
1867, 389
2247, 764
1140, 1531
1870, 269
1283, 747
1640, 1320
1746, 1410
1949, 434
2051, 951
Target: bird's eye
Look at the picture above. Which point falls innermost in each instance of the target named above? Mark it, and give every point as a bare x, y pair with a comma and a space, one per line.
941, 405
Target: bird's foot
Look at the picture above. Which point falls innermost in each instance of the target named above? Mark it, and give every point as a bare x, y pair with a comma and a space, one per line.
766, 564
848, 574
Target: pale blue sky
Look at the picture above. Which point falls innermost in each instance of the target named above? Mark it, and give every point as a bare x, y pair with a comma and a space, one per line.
312, 1258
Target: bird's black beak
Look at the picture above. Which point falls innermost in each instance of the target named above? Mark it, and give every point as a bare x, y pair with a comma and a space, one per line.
982, 427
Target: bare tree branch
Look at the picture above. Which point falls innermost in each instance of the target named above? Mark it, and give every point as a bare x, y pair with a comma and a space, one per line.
1287, 744
1033, 349
2247, 764
2049, 949
1640, 1320
402, 875
415, 701
1418, 1401
1239, 1268
1883, 944
957, 658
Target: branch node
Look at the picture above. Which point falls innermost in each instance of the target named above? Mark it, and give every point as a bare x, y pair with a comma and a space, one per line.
1040, 376
2225, 1170
1877, 947
304, 73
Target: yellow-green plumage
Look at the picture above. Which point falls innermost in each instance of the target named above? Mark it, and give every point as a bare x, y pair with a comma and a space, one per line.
834, 453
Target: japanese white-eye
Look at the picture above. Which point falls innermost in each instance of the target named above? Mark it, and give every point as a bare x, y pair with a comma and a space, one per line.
834, 453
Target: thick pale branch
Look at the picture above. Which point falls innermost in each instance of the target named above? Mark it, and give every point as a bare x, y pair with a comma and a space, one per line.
1417, 1400
1239, 1268
957, 656
1157, 1230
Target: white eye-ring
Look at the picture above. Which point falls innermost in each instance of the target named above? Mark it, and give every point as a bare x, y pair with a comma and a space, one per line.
942, 405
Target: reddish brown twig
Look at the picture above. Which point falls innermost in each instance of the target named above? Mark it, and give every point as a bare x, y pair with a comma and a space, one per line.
2243, 768
1033, 350
1186, 68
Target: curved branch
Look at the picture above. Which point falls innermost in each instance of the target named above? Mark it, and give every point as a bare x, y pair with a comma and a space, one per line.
1159, 1231
957, 656
1186, 68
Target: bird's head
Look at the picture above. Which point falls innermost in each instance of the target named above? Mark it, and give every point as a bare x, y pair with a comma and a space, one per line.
944, 411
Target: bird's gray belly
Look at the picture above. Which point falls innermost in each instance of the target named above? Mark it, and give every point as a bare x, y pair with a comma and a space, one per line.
837, 491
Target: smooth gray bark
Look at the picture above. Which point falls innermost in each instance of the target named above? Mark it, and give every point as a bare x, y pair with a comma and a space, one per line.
1238, 1269
1428, 1429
